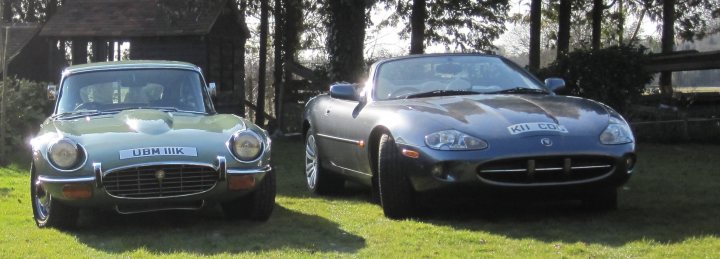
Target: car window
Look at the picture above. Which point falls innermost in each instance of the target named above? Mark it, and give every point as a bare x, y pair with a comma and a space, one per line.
139, 88
482, 74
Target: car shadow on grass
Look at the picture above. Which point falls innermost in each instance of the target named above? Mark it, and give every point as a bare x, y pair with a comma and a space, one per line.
207, 232
569, 222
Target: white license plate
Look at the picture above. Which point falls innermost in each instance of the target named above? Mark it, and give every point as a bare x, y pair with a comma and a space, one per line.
157, 151
536, 126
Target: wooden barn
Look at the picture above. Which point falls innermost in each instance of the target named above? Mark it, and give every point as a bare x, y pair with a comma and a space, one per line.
208, 33
26, 53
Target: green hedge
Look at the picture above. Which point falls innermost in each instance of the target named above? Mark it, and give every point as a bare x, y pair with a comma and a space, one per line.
26, 107
612, 75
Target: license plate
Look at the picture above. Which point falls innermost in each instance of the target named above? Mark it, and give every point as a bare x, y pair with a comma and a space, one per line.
157, 151
536, 126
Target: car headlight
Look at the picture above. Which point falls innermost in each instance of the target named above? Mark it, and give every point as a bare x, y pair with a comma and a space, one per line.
64, 154
617, 132
246, 145
454, 140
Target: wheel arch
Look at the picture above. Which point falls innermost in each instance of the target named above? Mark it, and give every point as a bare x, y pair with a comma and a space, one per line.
373, 146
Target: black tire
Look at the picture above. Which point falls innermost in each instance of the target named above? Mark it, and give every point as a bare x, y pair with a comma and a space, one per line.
258, 205
397, 196
47, 211
602, 200
323, 182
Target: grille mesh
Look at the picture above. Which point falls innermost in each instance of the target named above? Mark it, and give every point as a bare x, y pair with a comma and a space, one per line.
143, 182
546, 169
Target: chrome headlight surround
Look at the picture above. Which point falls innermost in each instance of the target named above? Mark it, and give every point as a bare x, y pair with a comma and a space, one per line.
65, 155
246, 146
616, 133
454, 140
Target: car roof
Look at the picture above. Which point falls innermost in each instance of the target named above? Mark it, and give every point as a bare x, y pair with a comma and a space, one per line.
131, 64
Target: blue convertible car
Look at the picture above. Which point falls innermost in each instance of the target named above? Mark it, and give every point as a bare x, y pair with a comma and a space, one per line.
464, 121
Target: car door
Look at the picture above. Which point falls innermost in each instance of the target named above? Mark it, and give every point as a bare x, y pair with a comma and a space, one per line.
341, 133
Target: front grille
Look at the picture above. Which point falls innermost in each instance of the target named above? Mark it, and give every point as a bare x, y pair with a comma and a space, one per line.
144, 181
546, 169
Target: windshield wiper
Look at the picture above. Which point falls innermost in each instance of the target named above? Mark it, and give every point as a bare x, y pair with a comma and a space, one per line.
520, 90
76, 114
440, 93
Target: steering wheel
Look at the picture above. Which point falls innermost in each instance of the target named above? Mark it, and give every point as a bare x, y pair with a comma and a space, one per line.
87, 106
404, 91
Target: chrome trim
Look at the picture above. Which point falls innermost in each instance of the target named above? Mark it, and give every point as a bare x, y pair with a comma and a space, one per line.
591, 167
545, 169
249, 171
97, 169
263, 141
503, 170
117, 209
80, 149
348, 169
356, 142
47, 179
221, 168
548, 169
162, 163
545, 184
159, 163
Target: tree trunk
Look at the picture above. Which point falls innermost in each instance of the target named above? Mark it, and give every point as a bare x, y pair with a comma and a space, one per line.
668, 43
598, 7
417, 25
621, 22
563, 41
291, 30
346, 37
279, 66
260, 109
7, 11
51, 8
535, 20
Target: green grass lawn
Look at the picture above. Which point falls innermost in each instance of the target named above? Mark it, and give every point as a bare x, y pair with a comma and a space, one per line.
670, 208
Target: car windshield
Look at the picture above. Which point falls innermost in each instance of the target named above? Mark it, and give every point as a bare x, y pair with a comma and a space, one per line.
117, 90
451, 75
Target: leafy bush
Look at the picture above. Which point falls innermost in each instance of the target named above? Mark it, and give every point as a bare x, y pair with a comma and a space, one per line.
613, 75
26, 106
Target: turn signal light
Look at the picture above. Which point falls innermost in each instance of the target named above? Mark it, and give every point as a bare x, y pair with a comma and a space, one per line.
77, 191
410, 153
241, 182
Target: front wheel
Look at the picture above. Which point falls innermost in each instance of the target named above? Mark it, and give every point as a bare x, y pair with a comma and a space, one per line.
258, 205
397, 196
319, 180
47, 211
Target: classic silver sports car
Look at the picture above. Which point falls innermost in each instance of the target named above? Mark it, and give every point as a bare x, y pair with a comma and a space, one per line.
464, 121
140, 136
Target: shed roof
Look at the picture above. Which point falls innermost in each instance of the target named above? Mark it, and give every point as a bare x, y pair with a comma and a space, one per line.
133, 18
19, 35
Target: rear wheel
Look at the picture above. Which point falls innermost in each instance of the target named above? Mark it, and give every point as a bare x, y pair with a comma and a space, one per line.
319, 181
47, 211
397, 196
257, 206
602, 200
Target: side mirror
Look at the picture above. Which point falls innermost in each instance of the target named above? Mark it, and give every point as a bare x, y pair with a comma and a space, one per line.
51, 92
344, 92
212, 89
555, 84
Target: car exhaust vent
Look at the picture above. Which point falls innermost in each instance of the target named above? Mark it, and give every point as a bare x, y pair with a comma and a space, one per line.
160, 181
546, 170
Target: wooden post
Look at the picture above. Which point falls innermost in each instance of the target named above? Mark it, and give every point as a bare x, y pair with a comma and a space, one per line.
3, 160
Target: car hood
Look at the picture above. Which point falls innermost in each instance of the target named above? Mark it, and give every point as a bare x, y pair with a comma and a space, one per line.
103, 136
500, 115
